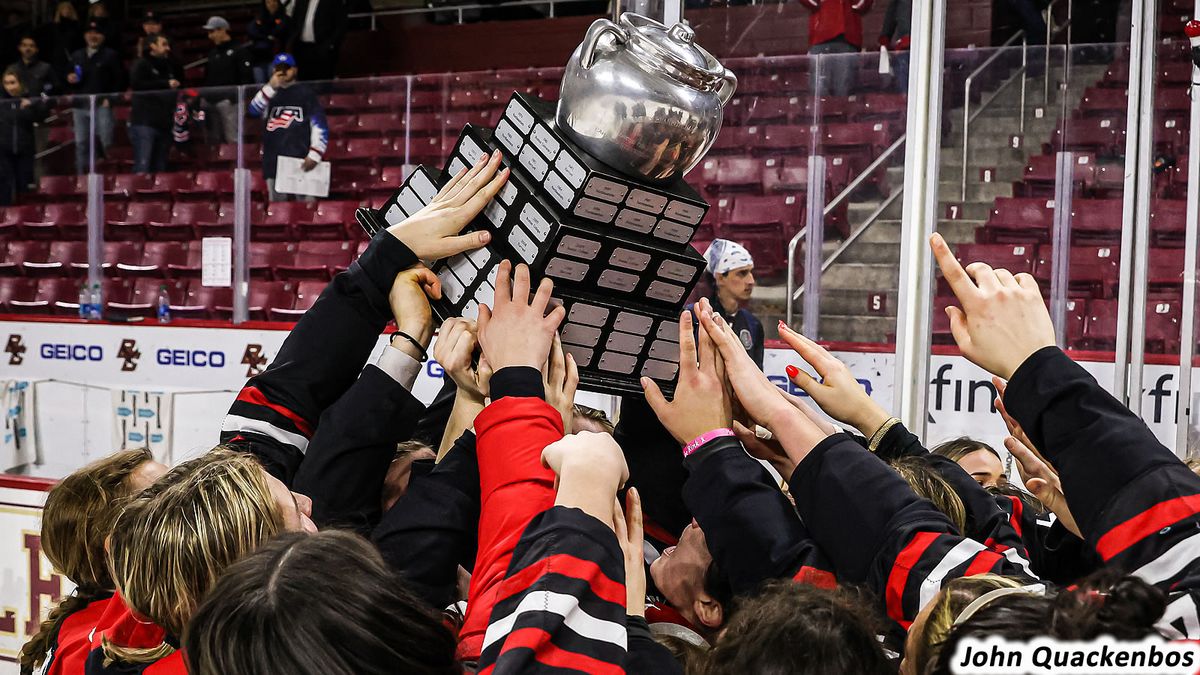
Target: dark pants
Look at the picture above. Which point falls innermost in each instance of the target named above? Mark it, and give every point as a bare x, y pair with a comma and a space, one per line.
316, 60
150, 148
8, 176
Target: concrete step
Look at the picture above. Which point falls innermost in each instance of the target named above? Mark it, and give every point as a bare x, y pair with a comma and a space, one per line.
860, 277
835, 301
856, 328
950, 190
888, 231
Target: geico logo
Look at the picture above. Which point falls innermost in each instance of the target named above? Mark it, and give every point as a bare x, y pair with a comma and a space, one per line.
196, 358
58, 352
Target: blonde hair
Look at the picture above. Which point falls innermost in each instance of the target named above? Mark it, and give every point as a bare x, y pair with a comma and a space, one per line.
954, 598
172, 543
78, 515
928, 483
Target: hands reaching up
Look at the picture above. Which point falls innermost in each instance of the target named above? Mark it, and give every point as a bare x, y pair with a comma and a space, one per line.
433, 232
590, 468
701, 403
455, 351
1003, 319
409, 299
518, 331
561, 379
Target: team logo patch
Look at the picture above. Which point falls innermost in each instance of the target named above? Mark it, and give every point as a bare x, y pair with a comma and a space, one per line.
747, 340
283, 116
16, 349
130, 354
254, 359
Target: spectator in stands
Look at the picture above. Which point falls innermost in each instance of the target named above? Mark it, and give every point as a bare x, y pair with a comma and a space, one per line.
268, 34
98, 13
151, 25
60, 37
896, 37
95, 69
317, 31
293, 118
228, 67
732, 274
16, 27
18, 113
38, 78
153, 112
835, 27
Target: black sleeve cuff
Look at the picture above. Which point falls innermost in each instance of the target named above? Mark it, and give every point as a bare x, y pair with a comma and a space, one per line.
1021, 397
899, 442
385, 257
812, 461
711, 448
636, 626
517, 381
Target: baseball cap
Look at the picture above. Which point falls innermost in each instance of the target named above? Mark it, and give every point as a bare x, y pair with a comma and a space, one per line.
93, 27
150, 17
283, 59
216, 23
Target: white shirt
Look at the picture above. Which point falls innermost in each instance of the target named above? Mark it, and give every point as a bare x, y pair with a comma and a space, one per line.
309, 33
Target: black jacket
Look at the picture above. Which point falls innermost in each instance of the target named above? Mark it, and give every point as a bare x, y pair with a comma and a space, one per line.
102, 73
228, 66
57, 41
156, 108
329, 24
16, 123
268, 34
38, 78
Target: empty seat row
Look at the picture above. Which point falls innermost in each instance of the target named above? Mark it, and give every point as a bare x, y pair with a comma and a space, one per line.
1098, 221
188, 298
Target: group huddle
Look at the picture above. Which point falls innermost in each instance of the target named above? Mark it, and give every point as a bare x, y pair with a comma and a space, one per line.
343, 527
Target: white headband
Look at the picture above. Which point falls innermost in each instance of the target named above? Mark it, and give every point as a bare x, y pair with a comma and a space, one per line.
995, 594
724, 255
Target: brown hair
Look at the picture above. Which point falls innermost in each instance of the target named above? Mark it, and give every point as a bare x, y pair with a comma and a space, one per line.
688, 654
12, 70
928, 483
797, 628
361, 620
77, 517
961, 447
170, 545
597, 416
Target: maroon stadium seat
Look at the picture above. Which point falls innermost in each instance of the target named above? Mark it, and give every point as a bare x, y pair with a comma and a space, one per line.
787, 211
1091, 270
63, 188
1041, 174
1103, 102
736, 141
125, 185
1168, 221
1020, 219
189, 265
1096, 221
16, 288
283, 220
38, 296
891, 107
42, 258
330, 220
319, 260
164, 185
738, 174
780, 140
263, 296
133, 226
1015, 258
1165, 268
267, 256
156, 257
872, 137
13, 218
307, 293
209, 185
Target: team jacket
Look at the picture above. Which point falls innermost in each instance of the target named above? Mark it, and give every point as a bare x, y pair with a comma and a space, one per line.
1055, 554
294, 124
751, 528
997, 528
561, 606
432, 528
101, 73
1136, 504
154, 106
71, 646
836, 18
354, 442
877, 532
276, 413
122, 627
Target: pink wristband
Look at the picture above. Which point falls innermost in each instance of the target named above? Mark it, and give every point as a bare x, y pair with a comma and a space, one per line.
705, 438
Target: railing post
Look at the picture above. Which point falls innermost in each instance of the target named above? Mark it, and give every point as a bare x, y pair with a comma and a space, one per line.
789, 307
1024, 79
241, 224
95, 208
1187, 334
966, 131
813, 246
1064, 181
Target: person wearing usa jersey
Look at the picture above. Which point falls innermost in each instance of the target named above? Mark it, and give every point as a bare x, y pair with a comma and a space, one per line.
293, 119
78, 515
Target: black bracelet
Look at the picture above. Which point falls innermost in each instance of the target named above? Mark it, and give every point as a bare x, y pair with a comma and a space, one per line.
415, 343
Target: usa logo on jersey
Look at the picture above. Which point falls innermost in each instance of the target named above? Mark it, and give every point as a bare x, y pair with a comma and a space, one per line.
283, 117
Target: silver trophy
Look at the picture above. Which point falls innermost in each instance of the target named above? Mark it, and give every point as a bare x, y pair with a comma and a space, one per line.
596, 200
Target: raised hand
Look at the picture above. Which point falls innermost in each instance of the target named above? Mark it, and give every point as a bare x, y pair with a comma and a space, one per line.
590, 468
1041, 480
838, 393
433, 232
455, 350
627, 523
561, 380
409, 300
1003, 319
701, 402
518, 331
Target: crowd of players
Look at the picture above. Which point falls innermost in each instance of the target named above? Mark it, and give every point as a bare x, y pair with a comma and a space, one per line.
344, 527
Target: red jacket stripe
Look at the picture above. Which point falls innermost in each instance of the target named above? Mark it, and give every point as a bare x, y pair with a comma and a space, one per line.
253, 396
1145, 524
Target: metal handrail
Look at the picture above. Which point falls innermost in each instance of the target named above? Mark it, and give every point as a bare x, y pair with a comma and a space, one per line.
461, 8
1050, 33
842, 196
858, 232
968, 118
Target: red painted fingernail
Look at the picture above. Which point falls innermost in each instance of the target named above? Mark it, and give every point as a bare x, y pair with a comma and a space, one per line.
792, 371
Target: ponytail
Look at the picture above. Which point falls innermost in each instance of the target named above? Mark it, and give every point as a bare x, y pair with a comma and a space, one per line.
1108, 603
114, 653
35, 651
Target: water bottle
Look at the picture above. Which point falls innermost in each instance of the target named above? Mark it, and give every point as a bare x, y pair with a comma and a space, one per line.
85, 302
164, 306
97, 304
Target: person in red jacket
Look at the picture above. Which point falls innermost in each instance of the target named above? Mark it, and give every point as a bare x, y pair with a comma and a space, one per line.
835, 27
